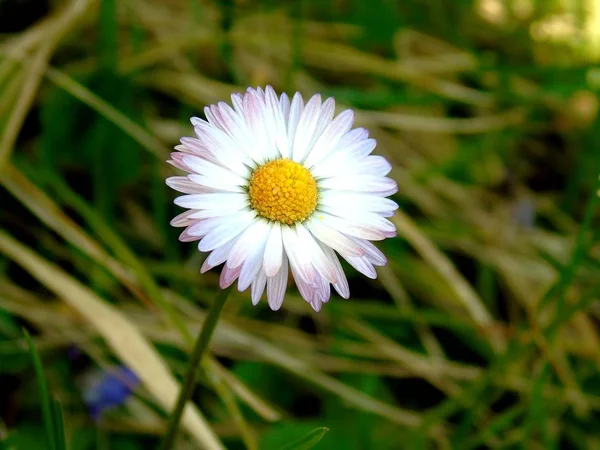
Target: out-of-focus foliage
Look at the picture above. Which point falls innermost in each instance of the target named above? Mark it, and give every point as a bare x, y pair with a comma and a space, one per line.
481, 332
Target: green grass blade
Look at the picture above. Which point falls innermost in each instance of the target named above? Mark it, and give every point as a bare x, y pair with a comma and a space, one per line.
308, 441
59, 425
43, 390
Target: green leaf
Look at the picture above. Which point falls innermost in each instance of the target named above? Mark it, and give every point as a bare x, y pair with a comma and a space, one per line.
308, 441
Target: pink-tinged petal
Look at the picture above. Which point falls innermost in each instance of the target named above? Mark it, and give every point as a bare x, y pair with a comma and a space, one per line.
322, 290
351, 228
197, 148
186, 237
306, 290
316, 304
324, 266
333, 238
223, 148
212, 119
177, 161
186, 186
306, 128
236, 128
258, 287
205, 167
298, 256
183, 219
362, 218
218, 256
226, 231
277, 285
372, 253
330, 137
341, 286
363, 266
237, 100
248, 242
273, 251
228, 276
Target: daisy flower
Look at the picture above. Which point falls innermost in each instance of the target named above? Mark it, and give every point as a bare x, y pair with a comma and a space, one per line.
276, 186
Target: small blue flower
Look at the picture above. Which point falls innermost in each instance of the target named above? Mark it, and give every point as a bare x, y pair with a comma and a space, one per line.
106, 389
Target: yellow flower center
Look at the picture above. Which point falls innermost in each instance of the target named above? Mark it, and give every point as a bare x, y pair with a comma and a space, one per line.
283, 190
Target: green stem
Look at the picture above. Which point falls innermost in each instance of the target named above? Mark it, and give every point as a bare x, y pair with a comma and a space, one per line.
208, 327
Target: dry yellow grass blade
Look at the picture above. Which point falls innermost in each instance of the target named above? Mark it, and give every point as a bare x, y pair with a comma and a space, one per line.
120, 334
469, 298
65, 20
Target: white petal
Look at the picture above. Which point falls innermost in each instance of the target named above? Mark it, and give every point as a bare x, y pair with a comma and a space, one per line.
205, 167
306, 128
226, 231
276, 123
236, 127
216, 183
294, 116
325, 115
372, 253
355, 201
343, 156
222, 210
362, 218
330, 137
341, 286
324, 266
297, 255
351, 228
363, 266
248, 241
361, 183
208, 201
333, 238
277, 285
250, 268
284, 104
218, 256
273, 251
258, 287
222, 147
203, 226
255, 121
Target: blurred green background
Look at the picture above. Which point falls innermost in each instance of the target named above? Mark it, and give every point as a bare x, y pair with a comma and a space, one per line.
481, 332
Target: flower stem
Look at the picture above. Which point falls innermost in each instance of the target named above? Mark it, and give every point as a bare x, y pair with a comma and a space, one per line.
208, 327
